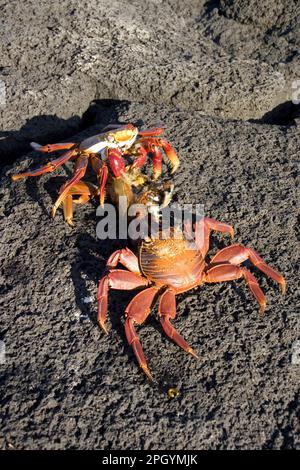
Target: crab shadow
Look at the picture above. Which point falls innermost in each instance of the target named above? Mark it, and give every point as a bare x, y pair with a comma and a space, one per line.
46, 129
87, 269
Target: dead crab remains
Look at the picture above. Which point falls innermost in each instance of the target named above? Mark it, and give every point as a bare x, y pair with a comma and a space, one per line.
169, 266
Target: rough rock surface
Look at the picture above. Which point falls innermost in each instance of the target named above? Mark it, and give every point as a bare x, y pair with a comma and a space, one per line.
219, 74
235, 60
67, 385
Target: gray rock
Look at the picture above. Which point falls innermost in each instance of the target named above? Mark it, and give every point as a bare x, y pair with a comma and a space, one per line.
236, 60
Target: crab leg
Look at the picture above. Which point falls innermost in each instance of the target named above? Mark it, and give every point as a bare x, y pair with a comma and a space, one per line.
157, 161
141, 158
116, 279
230, 272
236, 254
157, 158
85, 191
79, 171
167, 311
137, 312
101, 170
154, 131
51, 166
102, 183
116, 162
203, 229
52, 147
125, 257
167, 147
171, 154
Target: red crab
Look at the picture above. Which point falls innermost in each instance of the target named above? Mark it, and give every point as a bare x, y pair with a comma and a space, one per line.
171, 266
114, 143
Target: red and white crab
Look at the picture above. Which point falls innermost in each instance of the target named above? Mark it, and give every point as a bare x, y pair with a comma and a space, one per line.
105, 151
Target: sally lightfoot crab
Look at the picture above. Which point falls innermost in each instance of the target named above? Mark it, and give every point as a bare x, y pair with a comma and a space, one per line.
105, 151
171, 266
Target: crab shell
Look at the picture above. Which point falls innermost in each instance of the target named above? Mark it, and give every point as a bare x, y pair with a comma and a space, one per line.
161, 261
122, 138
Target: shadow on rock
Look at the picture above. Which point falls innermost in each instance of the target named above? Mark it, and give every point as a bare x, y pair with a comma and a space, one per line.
88, 268
46, 129
284, 114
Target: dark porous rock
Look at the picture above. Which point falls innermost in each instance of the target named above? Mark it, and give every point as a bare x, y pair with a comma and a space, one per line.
65, 384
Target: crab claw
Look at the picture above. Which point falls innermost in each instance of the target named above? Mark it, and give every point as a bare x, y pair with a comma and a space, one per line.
116, 162
168, 192
153, 143
171, 154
